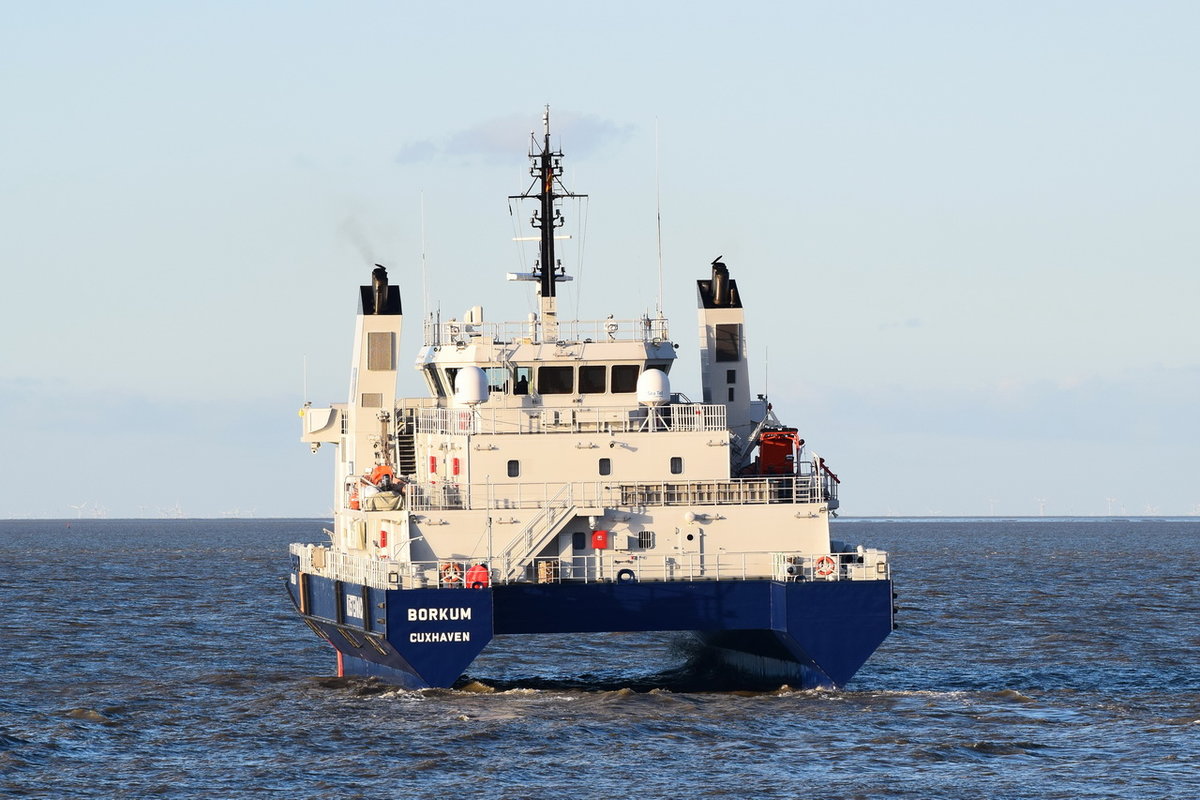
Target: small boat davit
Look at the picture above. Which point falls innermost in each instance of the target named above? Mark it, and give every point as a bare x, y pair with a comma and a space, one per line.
552, 482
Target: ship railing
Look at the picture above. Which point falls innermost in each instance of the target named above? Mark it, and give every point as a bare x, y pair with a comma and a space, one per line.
453, 332
339, 566
689, 417
756, 490
863, 564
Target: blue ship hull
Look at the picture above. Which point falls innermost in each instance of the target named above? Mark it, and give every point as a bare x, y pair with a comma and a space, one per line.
805, 634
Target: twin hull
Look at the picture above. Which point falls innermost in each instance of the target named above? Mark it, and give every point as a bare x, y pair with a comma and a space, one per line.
806, 634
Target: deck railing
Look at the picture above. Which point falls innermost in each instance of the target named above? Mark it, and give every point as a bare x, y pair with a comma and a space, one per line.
804, 488
607, 567
646, 329
596, 419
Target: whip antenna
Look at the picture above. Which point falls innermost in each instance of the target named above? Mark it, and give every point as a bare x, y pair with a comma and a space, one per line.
658, 215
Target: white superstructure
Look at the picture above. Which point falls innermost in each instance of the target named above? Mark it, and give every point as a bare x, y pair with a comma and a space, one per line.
536, 457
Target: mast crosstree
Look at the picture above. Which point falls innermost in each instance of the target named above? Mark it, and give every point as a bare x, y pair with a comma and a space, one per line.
547, 188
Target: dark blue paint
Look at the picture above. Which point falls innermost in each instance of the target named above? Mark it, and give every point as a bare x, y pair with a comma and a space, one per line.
827, 629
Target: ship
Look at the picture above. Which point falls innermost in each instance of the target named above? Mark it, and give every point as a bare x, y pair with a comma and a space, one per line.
552, 482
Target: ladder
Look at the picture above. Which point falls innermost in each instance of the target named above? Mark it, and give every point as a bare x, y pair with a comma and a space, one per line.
553, 517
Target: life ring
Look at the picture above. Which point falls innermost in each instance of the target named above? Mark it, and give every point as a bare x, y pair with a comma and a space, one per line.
824, 566
626, 576
452, 574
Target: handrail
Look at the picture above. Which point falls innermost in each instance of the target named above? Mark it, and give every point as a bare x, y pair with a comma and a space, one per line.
607, 567
752, 490
689, 417
646, 329
554, 511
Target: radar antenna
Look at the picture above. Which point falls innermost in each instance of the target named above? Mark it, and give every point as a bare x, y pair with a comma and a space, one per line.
547, 187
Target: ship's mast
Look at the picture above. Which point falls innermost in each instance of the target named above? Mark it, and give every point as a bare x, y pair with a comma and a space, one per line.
547, 173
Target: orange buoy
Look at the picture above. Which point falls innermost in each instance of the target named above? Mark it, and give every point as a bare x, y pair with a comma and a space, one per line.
477, 577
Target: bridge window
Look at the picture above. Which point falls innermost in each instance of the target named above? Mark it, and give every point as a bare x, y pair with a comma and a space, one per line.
624, 378
497, 378
524, 374
591, 380
434, 380
556, 380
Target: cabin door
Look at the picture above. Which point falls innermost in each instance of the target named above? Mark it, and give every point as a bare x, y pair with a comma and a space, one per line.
691, 550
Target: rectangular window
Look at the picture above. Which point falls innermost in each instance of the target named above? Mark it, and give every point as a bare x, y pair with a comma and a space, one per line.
556, 380
606, 466
731, 394
497, 378
372, 400
522, 383
435, 381
731, 376
381, 350
579, 540
514, 469
451, 373
591, 380
676, 465
624, 378
729, 342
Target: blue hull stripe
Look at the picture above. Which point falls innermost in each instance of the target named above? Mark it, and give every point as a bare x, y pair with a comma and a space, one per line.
428, 637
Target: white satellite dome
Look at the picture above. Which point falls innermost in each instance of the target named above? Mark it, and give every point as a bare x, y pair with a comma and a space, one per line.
470, 386
653, 388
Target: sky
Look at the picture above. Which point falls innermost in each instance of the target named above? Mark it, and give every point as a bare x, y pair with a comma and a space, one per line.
965, 233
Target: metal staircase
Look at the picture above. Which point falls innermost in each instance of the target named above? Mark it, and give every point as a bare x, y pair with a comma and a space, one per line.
406, 445
555, 514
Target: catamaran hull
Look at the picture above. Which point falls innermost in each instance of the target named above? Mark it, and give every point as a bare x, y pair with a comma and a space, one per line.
805, 634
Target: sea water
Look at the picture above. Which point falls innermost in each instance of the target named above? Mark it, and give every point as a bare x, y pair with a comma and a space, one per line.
1034, 659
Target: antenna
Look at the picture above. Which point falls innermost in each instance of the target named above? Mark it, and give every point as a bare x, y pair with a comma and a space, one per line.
658, 217
424, 283
305, 397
